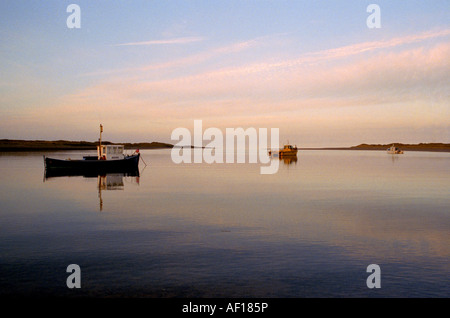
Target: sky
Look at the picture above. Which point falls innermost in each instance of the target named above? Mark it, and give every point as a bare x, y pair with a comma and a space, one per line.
313, 69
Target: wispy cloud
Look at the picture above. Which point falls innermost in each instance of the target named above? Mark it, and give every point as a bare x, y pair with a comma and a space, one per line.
231, 49
183, 40
409, 74
329, 55
304, 60
307, 84
377, 82
234, 48
377, 45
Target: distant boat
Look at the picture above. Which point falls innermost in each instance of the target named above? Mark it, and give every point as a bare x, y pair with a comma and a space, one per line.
110, 158
394, 150
287, 151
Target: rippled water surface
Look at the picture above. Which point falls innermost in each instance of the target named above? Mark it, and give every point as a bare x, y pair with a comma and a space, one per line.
225, 230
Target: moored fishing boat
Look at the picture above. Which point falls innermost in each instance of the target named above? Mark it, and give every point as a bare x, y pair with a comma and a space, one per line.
110, 158
287, 151
394, 150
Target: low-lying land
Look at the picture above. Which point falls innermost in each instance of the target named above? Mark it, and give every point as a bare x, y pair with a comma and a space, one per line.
439, 147
406, 147
44, 145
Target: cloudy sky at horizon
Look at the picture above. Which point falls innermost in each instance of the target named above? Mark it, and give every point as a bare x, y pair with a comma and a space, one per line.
313, 69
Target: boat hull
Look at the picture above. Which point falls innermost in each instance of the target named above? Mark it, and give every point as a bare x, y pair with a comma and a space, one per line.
281, 153
288, 153
397, 152
129, 163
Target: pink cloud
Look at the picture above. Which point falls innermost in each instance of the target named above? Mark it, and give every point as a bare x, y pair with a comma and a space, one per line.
183, 40
317, 89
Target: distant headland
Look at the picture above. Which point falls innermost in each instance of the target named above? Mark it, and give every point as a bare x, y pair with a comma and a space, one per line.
44, 145
410, 147
438, 147
8, 145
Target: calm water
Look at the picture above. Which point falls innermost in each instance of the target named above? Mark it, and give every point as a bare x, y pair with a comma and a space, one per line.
225, 230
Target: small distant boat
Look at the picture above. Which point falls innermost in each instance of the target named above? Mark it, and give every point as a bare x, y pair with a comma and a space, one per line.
394, 150
110, 158
287, 151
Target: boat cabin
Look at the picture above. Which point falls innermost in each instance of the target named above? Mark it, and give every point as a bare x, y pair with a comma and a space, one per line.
394, 150
110, 152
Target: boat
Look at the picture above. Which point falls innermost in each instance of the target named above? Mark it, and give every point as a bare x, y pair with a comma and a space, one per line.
287, 151
109, 158
394, 150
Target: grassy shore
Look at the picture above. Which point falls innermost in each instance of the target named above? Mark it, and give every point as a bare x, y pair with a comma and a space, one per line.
44, 145
438, 147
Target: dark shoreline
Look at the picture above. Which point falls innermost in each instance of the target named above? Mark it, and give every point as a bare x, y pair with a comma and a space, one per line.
10, 145
433, 147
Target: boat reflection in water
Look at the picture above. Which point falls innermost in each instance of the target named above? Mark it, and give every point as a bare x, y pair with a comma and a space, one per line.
287, 160
105, 181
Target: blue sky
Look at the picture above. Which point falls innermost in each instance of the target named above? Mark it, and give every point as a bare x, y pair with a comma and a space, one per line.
143, 68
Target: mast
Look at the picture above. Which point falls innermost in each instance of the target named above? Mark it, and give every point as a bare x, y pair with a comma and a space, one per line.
100, 142
101, 130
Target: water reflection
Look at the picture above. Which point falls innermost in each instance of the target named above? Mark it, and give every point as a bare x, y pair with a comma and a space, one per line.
394, 158
309, 230
105, 181
112, 181
289, 160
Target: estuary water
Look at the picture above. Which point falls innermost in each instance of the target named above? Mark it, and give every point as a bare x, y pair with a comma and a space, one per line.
225, 230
